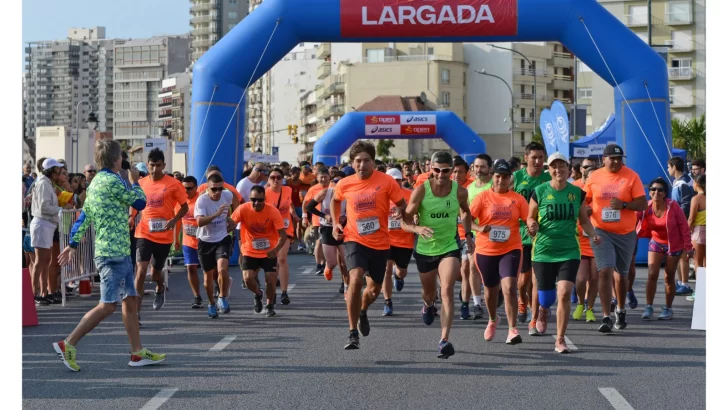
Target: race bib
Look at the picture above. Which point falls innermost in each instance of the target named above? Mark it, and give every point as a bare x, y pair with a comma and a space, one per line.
367, 226
286, 223
611, 215
499, 233
261, 244
395, 224
190, 230
157, 225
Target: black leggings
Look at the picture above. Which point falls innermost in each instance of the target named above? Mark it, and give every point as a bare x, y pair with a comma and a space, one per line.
548, 273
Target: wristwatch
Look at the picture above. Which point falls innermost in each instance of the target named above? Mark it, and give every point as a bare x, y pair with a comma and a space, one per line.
469, 235
624, 205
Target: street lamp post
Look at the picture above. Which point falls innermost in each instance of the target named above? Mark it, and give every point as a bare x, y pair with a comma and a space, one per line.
151, 126
510, 111
78, 135
533, 71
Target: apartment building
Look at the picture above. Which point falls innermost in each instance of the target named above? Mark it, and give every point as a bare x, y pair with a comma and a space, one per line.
61, 74
210, 20
174, 106
139, 67
258, 107
678, 34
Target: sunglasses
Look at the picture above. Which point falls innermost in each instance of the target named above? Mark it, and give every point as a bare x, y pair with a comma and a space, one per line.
216, 189
586, 166
275, 177
92, 171
256, 200
658, 189
441, 170
262, 171
189, 188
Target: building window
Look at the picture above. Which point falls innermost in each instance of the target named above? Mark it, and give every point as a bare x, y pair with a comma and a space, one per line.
445, 76
445, 99
232, 14
232, 2
523, 139
637, 16
375, 55
678, 13
585, 93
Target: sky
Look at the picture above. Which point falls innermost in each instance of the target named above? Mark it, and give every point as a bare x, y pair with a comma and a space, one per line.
51, 19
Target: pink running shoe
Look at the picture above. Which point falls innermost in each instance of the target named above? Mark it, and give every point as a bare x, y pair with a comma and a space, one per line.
561, 347
513, 337
490, 330
542, 321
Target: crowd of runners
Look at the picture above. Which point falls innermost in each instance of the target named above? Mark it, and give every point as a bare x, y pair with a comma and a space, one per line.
525, 234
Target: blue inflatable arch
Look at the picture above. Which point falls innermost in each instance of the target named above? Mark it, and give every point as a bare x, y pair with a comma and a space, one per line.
397, 125
593, 34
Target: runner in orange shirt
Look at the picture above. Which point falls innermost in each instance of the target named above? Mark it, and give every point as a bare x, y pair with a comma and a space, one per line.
154, 232
422, 178
188, 226
461, 174
587, 279
498, 248
280, 197
324, 179
260, 226
366, 240
214, 169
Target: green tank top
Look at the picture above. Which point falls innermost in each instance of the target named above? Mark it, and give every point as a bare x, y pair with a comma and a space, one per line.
558, 212
473, 191
441, 215
524, 184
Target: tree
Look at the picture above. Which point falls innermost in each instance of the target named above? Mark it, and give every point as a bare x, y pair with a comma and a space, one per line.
537, 137
690, 136
383, 147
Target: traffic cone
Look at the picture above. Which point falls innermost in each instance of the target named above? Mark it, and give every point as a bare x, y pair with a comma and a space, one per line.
30, 315
84, 288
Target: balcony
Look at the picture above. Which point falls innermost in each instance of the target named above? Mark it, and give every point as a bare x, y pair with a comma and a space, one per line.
636, 20
389, 59
682, 102
563, 59
563, 82
564, 100
324, 70
682, 47
208, 18
320, 89
678, 18
526, 100
526, 75
203, 31
681, 73
524, 120
202, 7
207, 42
333, 89
324, 51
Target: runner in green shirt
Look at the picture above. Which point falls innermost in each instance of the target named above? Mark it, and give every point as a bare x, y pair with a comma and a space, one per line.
483, 181
554, 209
438, 203
524, 182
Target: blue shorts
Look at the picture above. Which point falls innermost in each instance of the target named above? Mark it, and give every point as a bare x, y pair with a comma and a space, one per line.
299, 211
657, 247
190, 255
116, 273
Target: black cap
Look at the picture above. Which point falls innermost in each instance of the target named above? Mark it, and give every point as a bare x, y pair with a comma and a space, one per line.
613, 150
501, 167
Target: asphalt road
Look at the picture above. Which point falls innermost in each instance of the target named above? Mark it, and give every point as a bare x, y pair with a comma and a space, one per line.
244, 360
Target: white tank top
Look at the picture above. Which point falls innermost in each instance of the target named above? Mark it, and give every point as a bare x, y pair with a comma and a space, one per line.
326, 207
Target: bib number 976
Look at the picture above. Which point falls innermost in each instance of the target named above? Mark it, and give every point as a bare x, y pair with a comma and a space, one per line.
611, 215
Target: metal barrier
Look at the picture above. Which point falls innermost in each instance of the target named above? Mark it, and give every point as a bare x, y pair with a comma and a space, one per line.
82, 265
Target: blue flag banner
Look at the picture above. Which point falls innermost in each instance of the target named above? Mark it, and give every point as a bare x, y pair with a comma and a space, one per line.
548, 132
561, 127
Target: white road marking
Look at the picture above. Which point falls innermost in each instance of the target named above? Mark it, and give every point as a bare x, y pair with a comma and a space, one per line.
569, 344
615, 399
161, 397
291, 286
308, 271
223, 343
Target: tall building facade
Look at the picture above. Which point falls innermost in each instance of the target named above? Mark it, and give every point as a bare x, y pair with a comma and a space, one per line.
210, 20
139, 68
174, 106
258, 103
63, 73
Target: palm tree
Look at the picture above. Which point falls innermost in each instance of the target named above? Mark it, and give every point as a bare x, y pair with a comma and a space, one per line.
690, 136
383, 147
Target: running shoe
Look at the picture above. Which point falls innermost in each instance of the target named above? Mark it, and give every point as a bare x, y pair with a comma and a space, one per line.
222, 305
428, 314
632, 299
691, 298
40, 300
398, 283
145, 358
574, 298
342, 288
158, 300
478, 312
258, 306
328, 273
542, 320
647, 314
683, 290
522, 313
301, 248
513, 337
560, 346
67, 353
578, 312
666, 314
285, 300
212, 311
353, 342
197, 303
490, 330
320, 269
387, 308
363, 324
269, 312
501, 298
590, 316
532, 330
607, 325
621, 320
464, 311
446, 349
614, 304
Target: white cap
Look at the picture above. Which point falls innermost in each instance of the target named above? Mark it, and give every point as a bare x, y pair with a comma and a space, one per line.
50, 163
556, 156
394, 173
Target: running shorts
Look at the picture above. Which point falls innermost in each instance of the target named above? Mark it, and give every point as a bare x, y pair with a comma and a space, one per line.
548, 273
190, 255
662, 249
430, 263
526, 264
400, 256
493, 268
373, 261
255, 264
615, 250
152, 251
210, 252
698, 235
327, 236
41, 233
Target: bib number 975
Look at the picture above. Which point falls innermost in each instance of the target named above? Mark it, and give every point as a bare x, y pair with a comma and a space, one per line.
499, 234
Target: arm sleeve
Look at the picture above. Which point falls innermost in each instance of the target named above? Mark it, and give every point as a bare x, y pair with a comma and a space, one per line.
395, 192
523, 207
79, 229
475, 207
237, 215
339, 192
46, 195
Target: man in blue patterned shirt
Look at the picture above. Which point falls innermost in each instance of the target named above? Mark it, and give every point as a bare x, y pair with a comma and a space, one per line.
107, 207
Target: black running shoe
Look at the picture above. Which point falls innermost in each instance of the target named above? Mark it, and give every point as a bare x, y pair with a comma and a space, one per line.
446, 349
621, 320
606, 326
40, 300
353, 342
258, 302
285, 299
341, 288
197, 303
428, 314
269, 312
363, 323
320, 269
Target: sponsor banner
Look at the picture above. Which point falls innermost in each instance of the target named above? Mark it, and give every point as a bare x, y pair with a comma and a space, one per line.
382, 129
418, 129
596, 149
381, 119
152, 143
418, 119
561, 126
548, 132
182, 147
581, 152
427, 18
